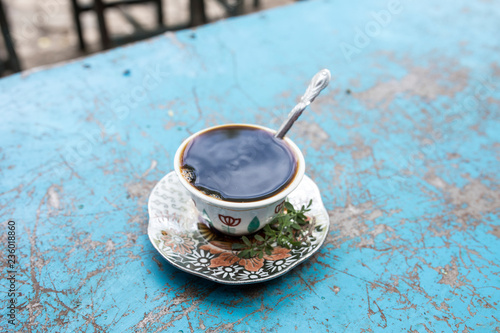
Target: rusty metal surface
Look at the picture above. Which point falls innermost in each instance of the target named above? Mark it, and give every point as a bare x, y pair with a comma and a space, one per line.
404, 146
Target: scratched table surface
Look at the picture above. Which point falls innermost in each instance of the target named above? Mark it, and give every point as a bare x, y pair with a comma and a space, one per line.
404, 146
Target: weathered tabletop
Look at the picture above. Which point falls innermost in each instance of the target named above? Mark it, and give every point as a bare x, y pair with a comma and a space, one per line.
404, 146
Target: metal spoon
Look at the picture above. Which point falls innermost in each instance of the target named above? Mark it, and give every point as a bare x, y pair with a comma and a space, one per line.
319, 82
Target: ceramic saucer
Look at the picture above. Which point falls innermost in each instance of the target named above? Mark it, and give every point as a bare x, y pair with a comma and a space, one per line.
179, 233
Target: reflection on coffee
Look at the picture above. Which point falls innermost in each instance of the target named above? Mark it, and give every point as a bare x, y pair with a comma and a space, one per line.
238, 163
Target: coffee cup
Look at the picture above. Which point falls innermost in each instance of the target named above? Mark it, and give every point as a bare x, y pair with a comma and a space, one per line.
233, 216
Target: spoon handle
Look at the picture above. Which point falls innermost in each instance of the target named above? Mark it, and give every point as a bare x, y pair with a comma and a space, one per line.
319, 82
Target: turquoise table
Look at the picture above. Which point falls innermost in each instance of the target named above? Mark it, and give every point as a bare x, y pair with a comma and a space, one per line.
404, 146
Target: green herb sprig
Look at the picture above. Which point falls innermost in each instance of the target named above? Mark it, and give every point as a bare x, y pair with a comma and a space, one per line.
289, 228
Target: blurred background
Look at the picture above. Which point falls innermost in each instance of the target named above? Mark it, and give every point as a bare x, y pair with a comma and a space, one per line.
38, 33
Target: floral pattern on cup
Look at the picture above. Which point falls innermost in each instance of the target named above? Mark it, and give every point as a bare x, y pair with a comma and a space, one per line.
229, 221
279, 207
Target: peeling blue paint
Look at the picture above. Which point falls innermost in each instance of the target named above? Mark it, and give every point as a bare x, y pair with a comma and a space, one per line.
407, 164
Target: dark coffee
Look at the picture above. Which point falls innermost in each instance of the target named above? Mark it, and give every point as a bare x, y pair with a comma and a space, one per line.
238, 163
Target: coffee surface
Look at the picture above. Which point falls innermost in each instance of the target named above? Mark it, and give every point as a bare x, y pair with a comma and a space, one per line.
238, 163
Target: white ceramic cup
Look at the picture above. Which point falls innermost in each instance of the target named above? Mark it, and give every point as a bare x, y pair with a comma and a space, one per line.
238, 218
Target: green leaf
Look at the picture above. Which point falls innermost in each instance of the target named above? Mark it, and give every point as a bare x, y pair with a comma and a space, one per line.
261, 255
237, 246
244, 254
310, 203
289, 207
259, 238
247, 242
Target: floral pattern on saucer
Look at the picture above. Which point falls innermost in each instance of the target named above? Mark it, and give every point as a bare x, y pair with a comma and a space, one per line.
182, 237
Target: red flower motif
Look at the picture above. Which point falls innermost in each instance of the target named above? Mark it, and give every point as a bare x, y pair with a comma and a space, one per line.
229, 221
279, 207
